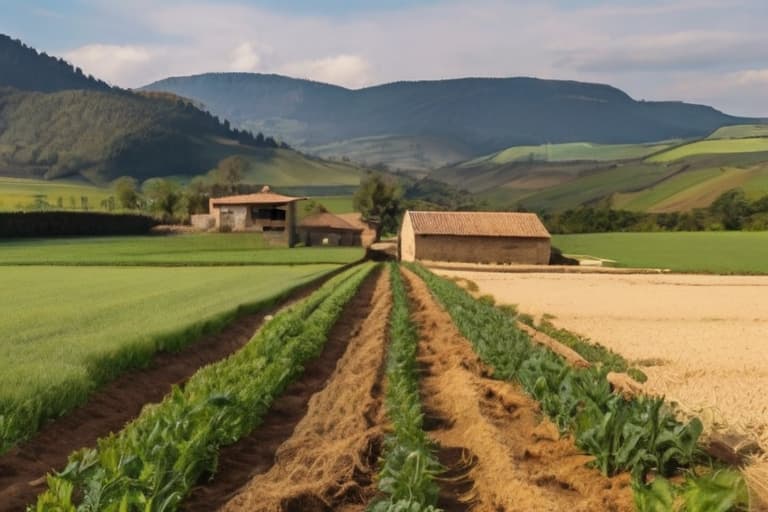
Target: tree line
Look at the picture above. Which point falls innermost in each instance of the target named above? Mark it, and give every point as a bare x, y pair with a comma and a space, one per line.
731, 211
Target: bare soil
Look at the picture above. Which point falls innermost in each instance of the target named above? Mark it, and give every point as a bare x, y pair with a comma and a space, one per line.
701, 339
501, 454
22, 469
319, 447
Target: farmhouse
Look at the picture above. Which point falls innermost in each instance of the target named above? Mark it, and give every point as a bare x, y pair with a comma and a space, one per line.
325, 228
272, 214
474, 237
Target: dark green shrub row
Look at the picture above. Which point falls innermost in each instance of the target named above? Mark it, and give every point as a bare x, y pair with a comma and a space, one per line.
409, 465
43, 224
154, 461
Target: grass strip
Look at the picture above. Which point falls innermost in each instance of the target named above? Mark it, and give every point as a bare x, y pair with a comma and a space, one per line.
24, 409
639, 435
409, 465
155, 460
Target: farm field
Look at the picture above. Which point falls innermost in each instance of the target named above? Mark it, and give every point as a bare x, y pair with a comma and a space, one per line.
699, 339
19, 194
65, 330
384, 389
180, 250
712, 147
573, 151
709, 252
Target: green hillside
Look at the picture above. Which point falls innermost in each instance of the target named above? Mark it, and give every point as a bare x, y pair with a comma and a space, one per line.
398, 152
573, 151
712, 147
656, 177
474, 116
740, 131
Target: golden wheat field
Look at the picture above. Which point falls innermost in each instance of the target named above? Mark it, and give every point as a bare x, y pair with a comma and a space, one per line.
702, 340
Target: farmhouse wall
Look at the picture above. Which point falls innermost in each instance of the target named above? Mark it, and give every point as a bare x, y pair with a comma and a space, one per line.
315, 236
476, 249
406, 241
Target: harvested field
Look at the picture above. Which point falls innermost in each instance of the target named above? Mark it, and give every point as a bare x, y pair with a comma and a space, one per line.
500, 452
702, 340
22, 469
317, 453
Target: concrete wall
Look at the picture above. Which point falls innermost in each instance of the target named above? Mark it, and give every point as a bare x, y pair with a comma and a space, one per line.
202, 221
476, 249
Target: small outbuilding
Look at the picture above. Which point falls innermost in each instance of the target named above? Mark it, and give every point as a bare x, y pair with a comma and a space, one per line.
474, 237
266, 212
325, 228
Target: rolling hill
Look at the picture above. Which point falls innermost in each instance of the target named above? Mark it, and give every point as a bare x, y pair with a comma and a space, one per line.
468, 116
656, 177
57, 124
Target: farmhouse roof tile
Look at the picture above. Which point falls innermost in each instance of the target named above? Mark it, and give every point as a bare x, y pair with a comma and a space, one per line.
266, 196
327, 220
501, 224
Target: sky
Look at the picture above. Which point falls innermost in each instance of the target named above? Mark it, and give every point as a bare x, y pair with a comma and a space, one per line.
713, 52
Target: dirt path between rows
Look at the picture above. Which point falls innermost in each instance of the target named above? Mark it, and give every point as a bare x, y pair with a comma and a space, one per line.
319, 445
500, 453
22, 468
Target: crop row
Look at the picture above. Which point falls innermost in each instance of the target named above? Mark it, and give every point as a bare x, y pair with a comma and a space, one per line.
640, 435
409, 464
154, 461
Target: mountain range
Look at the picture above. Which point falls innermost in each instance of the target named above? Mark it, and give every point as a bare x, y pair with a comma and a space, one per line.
427, 124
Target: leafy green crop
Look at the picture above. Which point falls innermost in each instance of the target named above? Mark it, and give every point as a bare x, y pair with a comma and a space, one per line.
640, 435
153, 462
721, 490
409, 464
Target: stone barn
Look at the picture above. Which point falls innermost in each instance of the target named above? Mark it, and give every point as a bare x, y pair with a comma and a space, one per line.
325, 228
474, 237
266, 212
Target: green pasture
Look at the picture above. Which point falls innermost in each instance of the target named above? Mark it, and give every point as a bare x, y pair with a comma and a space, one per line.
173, 250
712, 147
65, 330
725, 252
740, 131
573, 151
22, 194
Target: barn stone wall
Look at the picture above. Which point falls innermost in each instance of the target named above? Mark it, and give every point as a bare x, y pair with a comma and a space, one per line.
478, 249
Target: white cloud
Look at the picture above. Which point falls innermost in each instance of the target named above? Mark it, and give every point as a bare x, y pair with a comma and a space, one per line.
653, 50
245, 58
113, 63
347, 70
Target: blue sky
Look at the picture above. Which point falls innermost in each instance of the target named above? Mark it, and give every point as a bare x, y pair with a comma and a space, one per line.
703, 51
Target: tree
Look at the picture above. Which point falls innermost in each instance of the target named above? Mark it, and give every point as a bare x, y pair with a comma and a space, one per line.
126, 191
730, 208
197, 193
379, 200
230, 172
165, 199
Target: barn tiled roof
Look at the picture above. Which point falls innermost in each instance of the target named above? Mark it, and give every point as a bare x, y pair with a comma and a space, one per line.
478, 224
327, 220
266, 196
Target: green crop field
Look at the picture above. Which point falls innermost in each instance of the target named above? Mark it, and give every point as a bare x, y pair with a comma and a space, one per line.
573, 151
740, 131
717, 252
20, 194
199, 249
66, 329
712, 147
